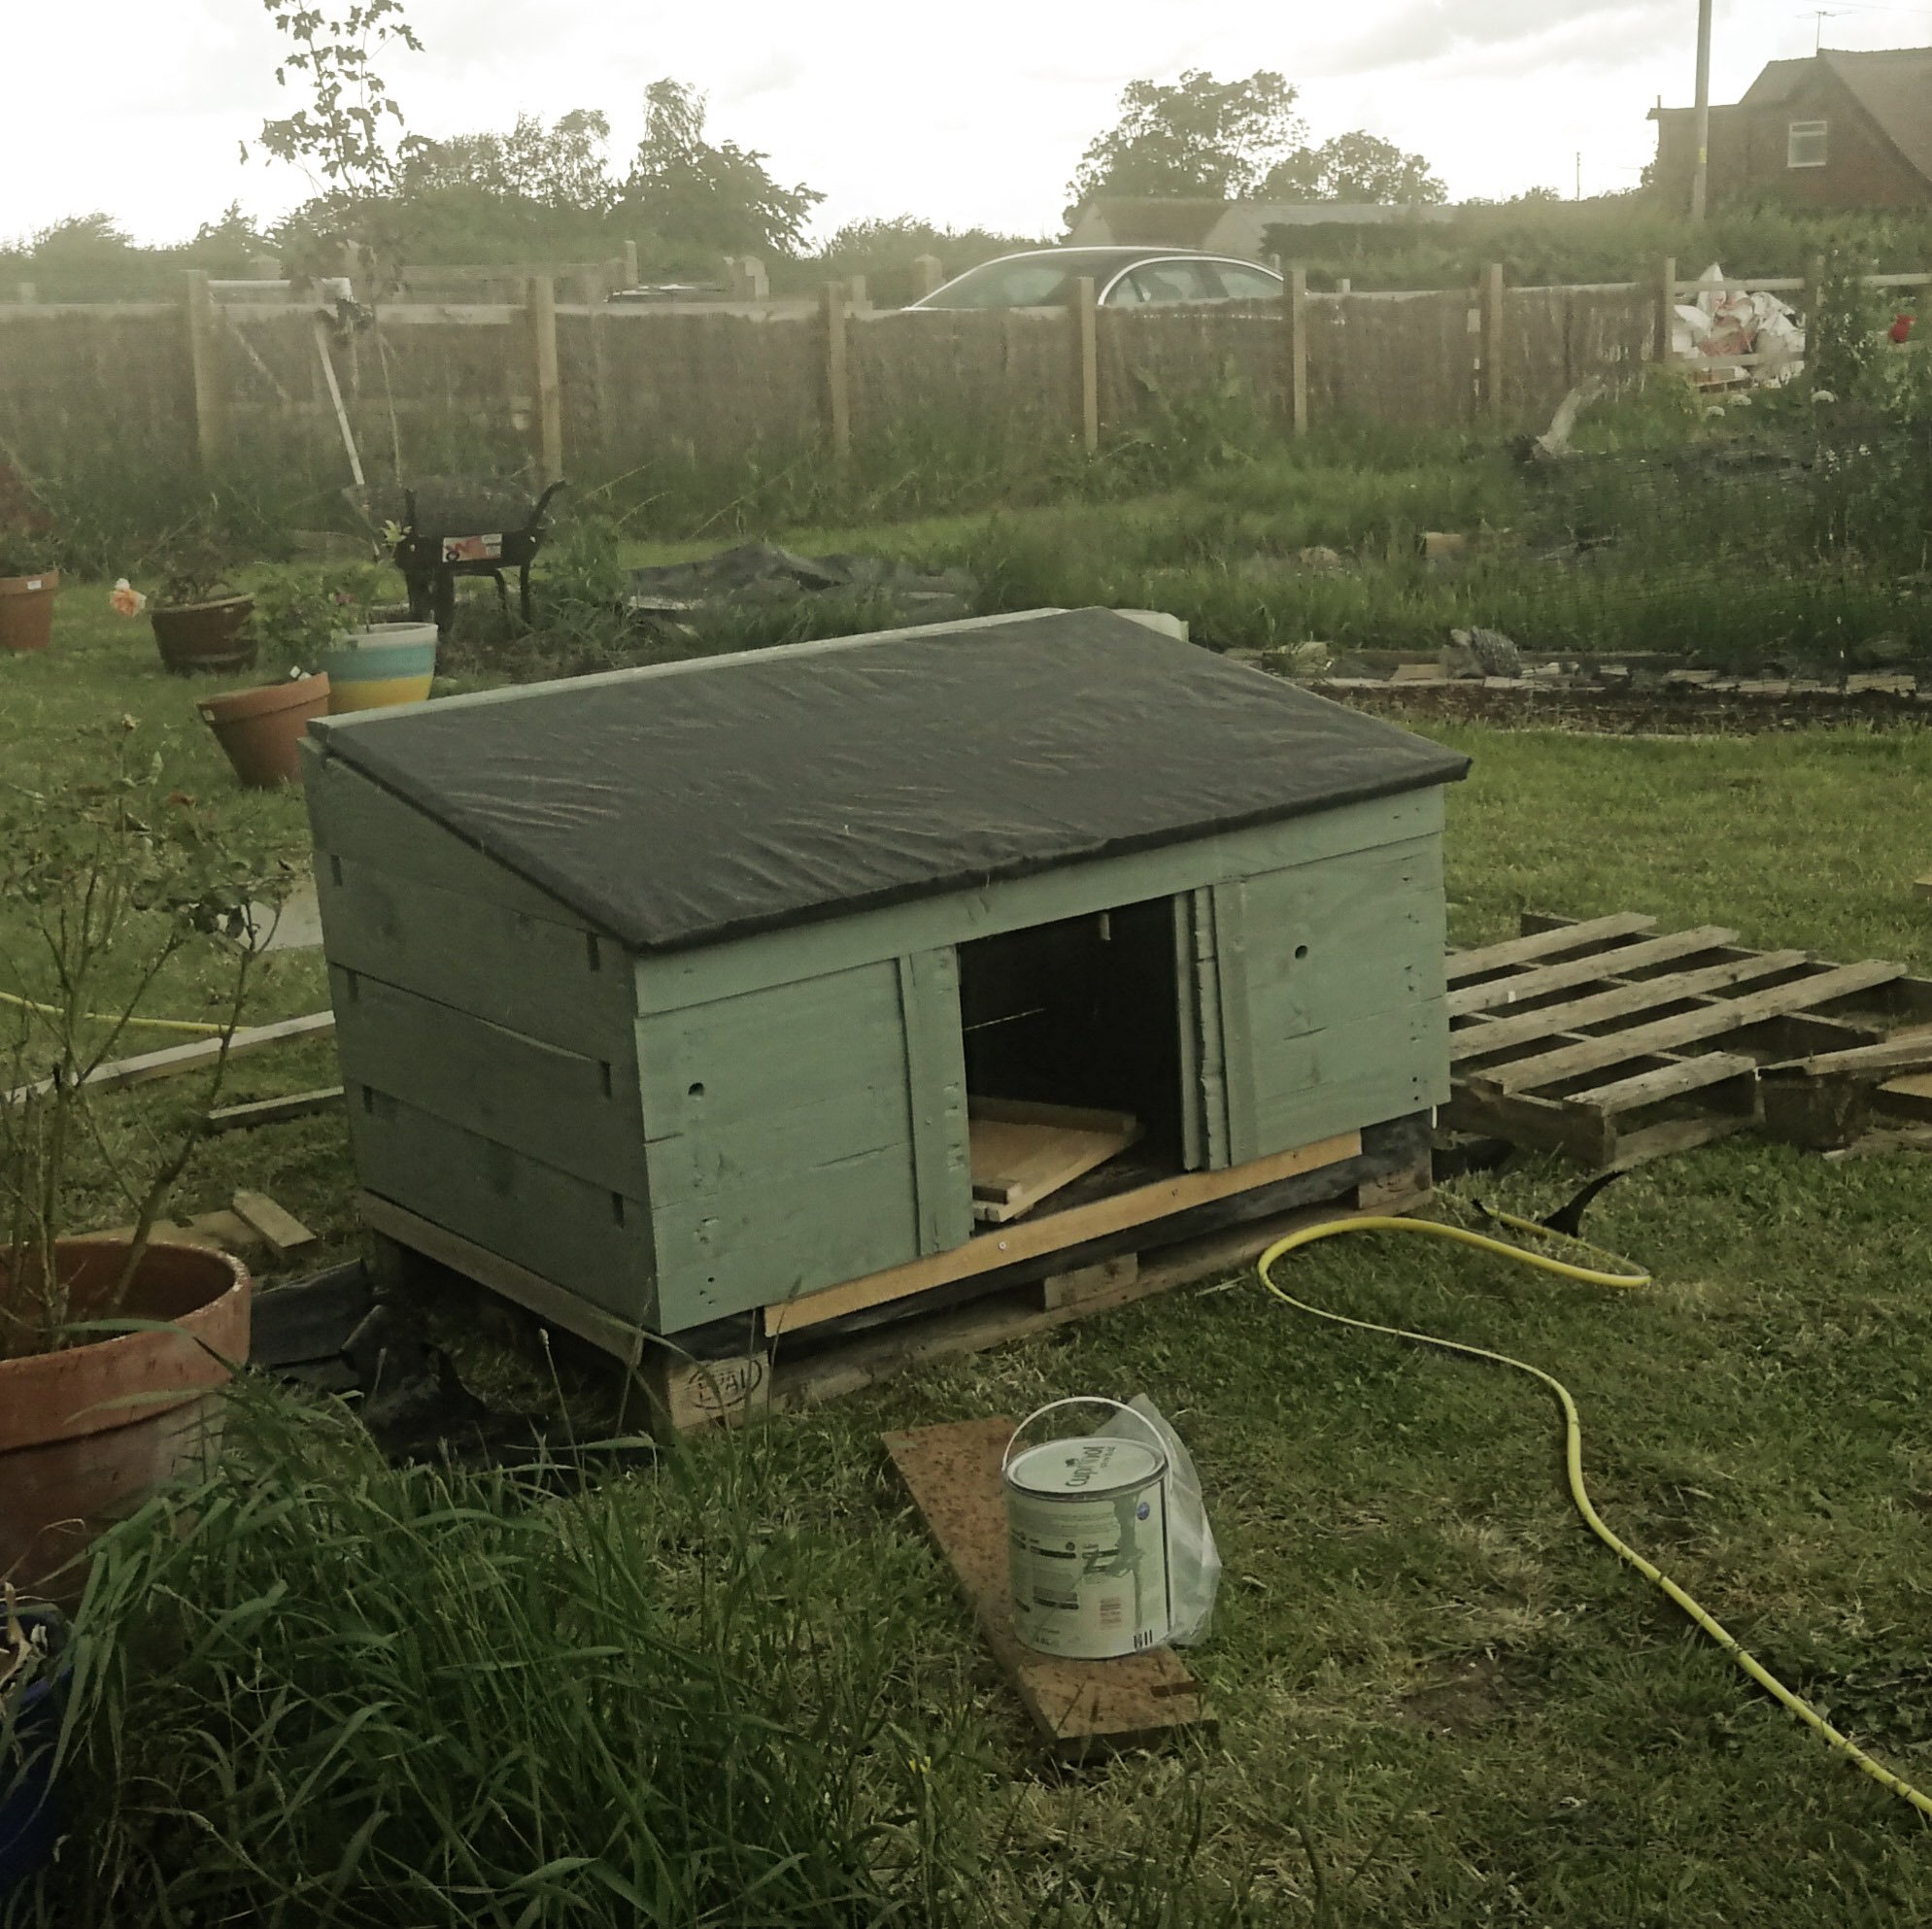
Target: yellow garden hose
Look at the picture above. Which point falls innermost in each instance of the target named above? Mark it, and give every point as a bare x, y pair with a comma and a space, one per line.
1572, 1450
198, 1027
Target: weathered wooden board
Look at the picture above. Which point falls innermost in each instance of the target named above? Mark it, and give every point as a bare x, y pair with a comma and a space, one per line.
951, 1473
276, 1111
1024, 1152
200, 1052
1052, 1232
279, 1227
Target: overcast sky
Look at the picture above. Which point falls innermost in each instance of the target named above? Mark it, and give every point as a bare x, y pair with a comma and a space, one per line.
971, 114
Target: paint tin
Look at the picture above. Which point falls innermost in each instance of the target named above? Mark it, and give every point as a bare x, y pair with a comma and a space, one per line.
1087, 1540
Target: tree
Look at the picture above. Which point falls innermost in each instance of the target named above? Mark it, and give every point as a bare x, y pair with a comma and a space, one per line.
1197, 136
1356, 167
687, 191
559, 167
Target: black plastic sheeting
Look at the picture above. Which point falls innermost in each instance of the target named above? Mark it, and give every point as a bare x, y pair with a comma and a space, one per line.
691, 803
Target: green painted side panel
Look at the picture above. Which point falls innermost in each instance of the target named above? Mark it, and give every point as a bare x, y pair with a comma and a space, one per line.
780, 1138
579, 1114
549, 1221
1239, 1045
1339, 973
696, 977
353, 818
1187, 1021
1202, 984
564, 987
929, 991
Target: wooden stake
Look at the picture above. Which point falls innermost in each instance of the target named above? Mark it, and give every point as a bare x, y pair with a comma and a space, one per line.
1087, 360
837, 373
1296, 295
204, 353
540, 302
1667, 307
335, 396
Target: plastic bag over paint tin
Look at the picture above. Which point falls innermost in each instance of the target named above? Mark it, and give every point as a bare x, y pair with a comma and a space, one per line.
1194, 1563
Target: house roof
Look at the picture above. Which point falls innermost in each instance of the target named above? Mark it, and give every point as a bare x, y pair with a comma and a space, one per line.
688, 803
1156, 221
1894, 85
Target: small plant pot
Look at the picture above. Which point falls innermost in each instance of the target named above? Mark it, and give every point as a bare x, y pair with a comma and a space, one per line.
261, 730
386, 663
205, 636
86, 1433
31, 1816
26, 610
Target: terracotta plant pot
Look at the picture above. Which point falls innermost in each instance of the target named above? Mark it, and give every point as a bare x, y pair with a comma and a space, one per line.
87, 1431
205, 636
26, 610
386, 663
261, 730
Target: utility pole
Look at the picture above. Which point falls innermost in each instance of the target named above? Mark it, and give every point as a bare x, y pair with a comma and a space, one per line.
1579, 195
1700, 114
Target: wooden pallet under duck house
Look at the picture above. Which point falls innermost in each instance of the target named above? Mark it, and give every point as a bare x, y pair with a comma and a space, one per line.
729, 1001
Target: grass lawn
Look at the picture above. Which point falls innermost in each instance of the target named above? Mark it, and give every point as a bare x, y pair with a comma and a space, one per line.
1442, 1702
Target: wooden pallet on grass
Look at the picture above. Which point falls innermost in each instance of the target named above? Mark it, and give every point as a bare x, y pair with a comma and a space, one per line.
1608, 1042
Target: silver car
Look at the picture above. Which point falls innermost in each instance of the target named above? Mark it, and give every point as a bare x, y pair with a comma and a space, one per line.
1122, 278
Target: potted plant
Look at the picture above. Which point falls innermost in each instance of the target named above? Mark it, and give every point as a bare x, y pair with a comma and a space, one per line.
200, 619
28, 576
111, 1344
372, 663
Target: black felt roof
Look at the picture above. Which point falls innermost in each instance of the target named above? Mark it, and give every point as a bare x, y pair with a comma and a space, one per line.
690, 803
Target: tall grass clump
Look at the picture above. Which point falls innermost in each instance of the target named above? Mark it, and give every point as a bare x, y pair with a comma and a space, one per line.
321, 1689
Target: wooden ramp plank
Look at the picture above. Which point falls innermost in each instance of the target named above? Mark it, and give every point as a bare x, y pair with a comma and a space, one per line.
952, 1472
1023, 1152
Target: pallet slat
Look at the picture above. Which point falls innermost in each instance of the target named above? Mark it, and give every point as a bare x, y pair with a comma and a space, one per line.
1552, 943
1616, 962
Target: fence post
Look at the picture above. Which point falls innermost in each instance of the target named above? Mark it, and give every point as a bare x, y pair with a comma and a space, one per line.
1087, 360
1295, 294
204, 354
1667, 307
859, 294
837, 372
927, 275
540, 305
631, 264
1492, 338
30, 294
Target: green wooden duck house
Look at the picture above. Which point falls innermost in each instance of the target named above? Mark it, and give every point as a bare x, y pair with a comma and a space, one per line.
760, 987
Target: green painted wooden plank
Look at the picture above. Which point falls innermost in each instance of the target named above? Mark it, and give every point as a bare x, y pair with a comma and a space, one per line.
928, 988
353, 818
1187, 1020
567, 988
736, 1155
1360, 1073
579, 1114
1205, 983
1239, 1047
801, 1231
684, 978
1356, 934
528, 1212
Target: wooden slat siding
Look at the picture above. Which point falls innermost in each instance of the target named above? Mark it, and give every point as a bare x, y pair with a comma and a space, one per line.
1690, 1026
353, 818
1240, 1048
929, 989
1355, 1030
771, 958
558, 1304
1381, 1066
1555, 942
1669, 1081
1052, 1231
1193, 1102
1210, 1040
780, 1141
1547, 979
567, 988
1478, 1040
531, 1215
579, 1114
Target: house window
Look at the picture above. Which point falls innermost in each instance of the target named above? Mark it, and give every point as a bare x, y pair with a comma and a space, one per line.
1805, 143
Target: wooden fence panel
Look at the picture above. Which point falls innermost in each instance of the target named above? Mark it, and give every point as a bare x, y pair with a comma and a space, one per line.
1010, 374
1154, 359
1554, 338
108, 383
1397, 358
